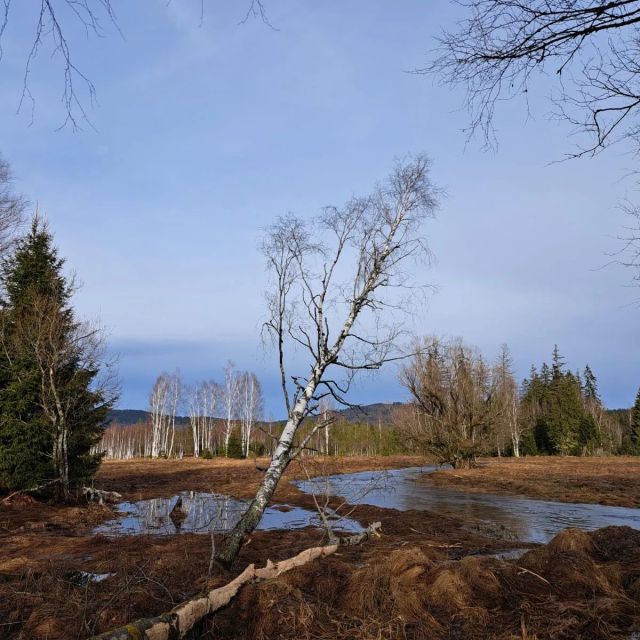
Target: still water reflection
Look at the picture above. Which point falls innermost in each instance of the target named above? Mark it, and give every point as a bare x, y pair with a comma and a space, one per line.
530, 520
199, 512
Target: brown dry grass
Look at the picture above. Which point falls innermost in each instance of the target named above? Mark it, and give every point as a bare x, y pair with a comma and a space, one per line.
424, 578
579, 586
607, 480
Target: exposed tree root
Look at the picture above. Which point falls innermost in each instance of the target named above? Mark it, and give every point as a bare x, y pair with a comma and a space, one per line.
177, 622
97, 495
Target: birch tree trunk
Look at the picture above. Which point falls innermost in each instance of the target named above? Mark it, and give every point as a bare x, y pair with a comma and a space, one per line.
279, 463
371, 239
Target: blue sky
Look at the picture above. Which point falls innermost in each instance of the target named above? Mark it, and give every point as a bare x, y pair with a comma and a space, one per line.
203, 134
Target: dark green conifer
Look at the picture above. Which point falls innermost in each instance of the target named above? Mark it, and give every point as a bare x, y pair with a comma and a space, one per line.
635, 425
50, 413
557, 363
590, 385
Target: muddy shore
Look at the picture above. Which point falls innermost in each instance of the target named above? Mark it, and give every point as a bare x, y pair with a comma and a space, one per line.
427, 576
613, 481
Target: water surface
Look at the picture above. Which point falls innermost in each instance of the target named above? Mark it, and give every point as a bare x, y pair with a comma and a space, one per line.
530, 520
205, 513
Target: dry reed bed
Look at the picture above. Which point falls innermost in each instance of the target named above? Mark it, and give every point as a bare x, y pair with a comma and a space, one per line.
578, 586
612, 481
429, 576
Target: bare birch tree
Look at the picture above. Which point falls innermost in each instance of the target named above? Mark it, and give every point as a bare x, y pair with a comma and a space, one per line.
333, 299
203, 406
157, 405
12, 207
250, 405
164, 400
75, 376
175, 399
325, 410
231, 389
508, 420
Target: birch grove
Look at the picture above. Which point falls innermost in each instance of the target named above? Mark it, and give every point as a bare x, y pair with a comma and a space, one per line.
165, 398
204, 401
215, 412
125, 442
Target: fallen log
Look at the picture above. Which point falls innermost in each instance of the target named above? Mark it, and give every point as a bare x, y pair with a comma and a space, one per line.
91, 494
176, 623
32, 490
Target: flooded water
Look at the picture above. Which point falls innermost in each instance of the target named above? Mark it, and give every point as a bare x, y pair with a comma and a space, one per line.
200, 512
522, 518
529, 520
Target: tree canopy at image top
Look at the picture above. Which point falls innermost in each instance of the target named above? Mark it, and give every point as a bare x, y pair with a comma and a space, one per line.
592, 46
53, 24
52, 21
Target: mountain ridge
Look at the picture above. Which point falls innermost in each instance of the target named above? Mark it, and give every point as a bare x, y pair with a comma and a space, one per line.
375, 413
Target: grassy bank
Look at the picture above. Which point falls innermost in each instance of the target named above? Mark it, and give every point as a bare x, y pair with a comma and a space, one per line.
611, 480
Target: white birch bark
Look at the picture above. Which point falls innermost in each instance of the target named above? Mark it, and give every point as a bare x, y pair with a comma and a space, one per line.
372, 239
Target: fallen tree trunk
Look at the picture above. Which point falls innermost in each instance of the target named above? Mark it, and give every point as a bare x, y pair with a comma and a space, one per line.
176, 623
91, 494
32, 490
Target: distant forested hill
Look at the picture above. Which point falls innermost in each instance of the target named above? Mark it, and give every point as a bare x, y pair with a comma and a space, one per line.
378, 413
127, 417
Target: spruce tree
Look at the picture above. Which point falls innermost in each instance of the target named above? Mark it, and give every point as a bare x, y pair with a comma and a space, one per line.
51, 411
590, 436
557, 363
564, 414
590, 385
635, 425
561, 406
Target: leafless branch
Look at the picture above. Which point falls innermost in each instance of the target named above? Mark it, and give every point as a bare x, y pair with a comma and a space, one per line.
590, 45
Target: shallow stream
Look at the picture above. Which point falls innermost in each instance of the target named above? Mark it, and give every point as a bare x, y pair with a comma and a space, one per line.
529, 520
521, 518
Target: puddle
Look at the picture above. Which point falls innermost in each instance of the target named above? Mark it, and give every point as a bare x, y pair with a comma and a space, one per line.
530, 520
509, 554
527, 519
199, 512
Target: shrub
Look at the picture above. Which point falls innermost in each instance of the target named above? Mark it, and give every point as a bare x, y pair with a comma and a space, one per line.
234, 448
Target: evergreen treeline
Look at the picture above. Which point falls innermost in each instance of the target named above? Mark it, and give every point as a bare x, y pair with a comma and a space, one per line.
462, 407
53, 408
634, 427
562, 414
